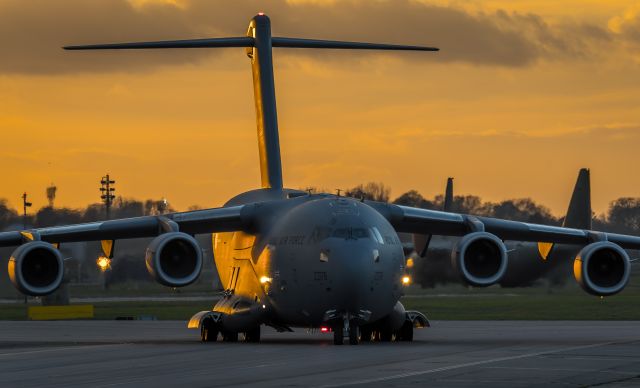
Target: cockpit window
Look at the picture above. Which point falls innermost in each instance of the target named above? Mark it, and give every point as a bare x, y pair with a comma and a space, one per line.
319, 234
360, 233
350, 233
376, 235
340, 233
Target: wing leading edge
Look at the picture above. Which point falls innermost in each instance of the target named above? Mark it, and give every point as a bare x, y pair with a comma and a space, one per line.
225, 219
415, 220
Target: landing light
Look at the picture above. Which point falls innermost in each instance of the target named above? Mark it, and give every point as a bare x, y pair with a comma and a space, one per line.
406, 280
104, 263
265, 279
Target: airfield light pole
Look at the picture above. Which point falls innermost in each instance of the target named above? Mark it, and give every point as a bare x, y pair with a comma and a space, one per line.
25, 205
107, 195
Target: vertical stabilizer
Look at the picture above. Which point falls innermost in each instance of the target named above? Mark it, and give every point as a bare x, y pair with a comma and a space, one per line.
579, 211
448, 196
265, 100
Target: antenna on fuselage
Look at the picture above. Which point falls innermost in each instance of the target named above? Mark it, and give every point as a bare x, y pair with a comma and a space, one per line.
258, 43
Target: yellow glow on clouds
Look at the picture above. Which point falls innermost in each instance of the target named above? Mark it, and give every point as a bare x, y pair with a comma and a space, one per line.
187, 132
143, 3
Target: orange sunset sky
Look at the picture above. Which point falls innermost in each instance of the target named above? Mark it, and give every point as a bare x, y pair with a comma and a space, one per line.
522, 95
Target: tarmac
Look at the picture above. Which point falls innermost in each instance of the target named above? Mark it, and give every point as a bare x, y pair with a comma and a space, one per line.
449, 354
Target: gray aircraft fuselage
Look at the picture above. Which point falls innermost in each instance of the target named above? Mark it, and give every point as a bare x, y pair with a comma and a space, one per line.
310, 255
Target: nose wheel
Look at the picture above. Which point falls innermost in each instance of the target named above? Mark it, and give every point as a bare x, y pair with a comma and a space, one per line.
252, 335
354, 335
352, 330
338, 335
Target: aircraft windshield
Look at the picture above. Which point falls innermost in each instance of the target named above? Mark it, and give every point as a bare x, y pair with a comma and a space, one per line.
350, 233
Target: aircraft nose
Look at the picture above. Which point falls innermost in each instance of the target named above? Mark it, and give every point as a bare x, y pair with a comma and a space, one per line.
351, 267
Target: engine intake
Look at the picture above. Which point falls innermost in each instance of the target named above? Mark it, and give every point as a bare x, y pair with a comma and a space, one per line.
602, 268
36, 268
480, 258
174, 259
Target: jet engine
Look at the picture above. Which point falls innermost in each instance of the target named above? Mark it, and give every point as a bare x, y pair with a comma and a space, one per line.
36, 268
602, 268
174, 259
480, 258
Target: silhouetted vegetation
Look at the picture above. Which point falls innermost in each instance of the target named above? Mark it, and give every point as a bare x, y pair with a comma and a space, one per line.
51, 216
371, 191
623, 215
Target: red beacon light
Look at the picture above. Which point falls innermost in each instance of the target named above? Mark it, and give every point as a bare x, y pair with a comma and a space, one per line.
325, 329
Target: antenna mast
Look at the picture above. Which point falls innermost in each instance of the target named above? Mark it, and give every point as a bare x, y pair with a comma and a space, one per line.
107, 193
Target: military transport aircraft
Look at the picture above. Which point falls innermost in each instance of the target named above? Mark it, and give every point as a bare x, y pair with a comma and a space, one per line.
289, 258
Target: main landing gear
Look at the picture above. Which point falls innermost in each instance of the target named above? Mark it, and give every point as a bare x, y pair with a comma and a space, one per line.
352, 330
357, 334
209, 332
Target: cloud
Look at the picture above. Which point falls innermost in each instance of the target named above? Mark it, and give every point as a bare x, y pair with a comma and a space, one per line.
627, 25
608, 132
31, 33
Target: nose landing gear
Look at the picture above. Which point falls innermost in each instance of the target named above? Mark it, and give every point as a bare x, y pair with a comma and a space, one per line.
354, 335
338, 335
350, 328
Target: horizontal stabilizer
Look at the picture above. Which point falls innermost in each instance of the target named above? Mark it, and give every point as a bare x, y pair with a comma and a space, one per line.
242, 41
249, 42
334, 44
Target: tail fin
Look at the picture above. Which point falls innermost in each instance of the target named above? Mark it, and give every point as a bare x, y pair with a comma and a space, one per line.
448, 196
258, 44
579, 211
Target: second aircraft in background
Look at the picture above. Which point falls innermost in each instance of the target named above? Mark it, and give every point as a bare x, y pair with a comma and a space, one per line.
528, 262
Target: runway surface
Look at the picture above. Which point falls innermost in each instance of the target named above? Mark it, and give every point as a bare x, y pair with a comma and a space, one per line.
450, 354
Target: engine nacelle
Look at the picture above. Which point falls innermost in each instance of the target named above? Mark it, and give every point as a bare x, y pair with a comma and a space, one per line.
36, 268
602, 268
174, 259
480, 258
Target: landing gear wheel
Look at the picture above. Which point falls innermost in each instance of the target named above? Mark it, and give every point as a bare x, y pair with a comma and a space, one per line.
338, 333
365, 334
230, 336
406, 332
386, 335
354, 336
252, 335
208, 331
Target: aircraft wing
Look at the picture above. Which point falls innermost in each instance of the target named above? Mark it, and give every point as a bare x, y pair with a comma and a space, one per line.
192, 222
415, 220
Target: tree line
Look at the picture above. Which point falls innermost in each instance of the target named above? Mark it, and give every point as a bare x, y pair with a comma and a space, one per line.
622, 216
52, 216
